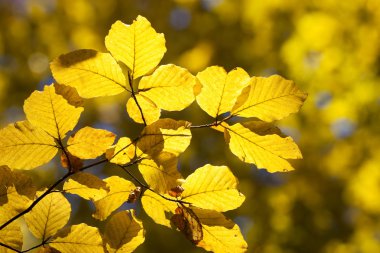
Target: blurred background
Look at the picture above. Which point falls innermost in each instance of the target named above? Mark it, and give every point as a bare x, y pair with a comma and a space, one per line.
330, 48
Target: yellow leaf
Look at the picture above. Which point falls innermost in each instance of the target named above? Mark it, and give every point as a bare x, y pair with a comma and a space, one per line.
91, 73
23, 183
86, 185
219, 89
51, 112
138, 45
123, 152
78, 238
158, 208
11, 235
123, 232
150, 111
268, 150
165, 135
11, 201
23, 146
170, 87
69, 93
219, 234
212, 187
162, 175
269, 98
117, 195
49, 215
89, 143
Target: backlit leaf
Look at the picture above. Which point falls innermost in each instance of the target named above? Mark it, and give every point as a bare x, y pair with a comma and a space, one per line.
49, 215
78, 238
220, 89
11, 235
188, 223
170, 87
89, 143
51, 112
123, 232
137, 45
123, 152
11, 202
269, 98
212, 187
91, 73
158, 208
86, 185
268, 151
22, 182
149, 109
23, 146
119, 190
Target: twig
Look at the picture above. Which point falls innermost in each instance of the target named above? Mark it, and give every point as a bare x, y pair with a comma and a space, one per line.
130, 79
9, 247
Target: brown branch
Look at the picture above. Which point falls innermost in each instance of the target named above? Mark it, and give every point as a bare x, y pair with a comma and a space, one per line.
130, 79
9, 247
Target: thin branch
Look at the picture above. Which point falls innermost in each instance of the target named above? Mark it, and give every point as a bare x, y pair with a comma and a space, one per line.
9, 247
215, 123
37, 246
130, 79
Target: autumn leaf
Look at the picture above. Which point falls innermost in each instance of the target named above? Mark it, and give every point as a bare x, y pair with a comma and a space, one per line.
123, 152
69, 93
91, 73
23, 146
78, 238
89, 143
149, 109
188, 223
269, 98
86, 185
255, 142
137, 45
212, 187
49, 215
220, 89
10, 235
123, 232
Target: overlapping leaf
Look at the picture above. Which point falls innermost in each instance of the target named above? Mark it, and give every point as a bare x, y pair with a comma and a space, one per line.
259, 143
87, 186
10, 235
123, 232
78, 238
89, 143
49, 215
137, 45
123, 152
146, 107
92, 73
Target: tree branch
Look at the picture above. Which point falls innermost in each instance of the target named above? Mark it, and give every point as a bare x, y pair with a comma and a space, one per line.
9, 247
130, 79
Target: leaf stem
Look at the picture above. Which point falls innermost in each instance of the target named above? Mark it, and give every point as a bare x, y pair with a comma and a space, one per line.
130, 79
215, 123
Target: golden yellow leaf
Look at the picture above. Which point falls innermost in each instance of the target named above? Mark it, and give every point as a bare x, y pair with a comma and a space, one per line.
268, 150
11, 201
119, 190
89, 143
219, 233
22, 182
11, 235
91, 73
70, 94
124, 232
165, 135
78, 238
161, 175
220, 89
123, 152
149, 109
212, 187
51, 112
86, 185
170, 87
137, 45
23, 146
49, 215
158, 208
269, 98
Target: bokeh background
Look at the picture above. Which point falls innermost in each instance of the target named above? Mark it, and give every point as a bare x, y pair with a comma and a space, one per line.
331, 49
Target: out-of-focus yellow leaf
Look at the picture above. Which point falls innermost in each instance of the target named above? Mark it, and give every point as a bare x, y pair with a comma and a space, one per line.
170, 87
86, 185
219, 89
119, 190
137, 45
269, 98
23, 146
51, 112
78, 238
219, 233
123, 152
165, 135
149, 109
92, 73
89, 143
158, 208
49, 215
162, 175
69, 93
268, 151
124, 232
11, 235
212, 187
